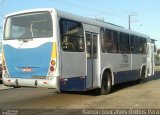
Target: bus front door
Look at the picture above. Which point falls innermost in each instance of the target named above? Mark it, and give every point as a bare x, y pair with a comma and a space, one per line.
91, 47
150, 59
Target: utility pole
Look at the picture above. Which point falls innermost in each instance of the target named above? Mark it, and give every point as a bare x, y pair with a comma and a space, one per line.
129, 20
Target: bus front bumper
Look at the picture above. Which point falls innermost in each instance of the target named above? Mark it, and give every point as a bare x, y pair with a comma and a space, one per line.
19, 82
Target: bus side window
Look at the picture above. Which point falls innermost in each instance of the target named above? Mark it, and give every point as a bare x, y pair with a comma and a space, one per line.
115, 42
124, 42
137, 45
127, 43
72, 39
102, 36
108, 38
132, 44
121, 42
143, 44
109, 41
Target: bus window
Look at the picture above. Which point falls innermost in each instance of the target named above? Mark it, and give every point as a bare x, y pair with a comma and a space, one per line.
71, 36
137, 44
124, 43
102, 36
143, 45
29, 25
115, 42
108, 40
132, 44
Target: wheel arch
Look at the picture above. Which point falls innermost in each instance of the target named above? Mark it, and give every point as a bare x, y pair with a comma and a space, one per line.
107, 69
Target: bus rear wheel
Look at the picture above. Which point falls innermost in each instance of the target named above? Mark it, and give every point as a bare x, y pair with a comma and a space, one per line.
143, 74
106, 84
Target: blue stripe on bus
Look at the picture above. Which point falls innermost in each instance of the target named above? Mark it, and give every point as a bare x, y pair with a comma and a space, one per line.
125, 76
79, 84
37, 58
73, 84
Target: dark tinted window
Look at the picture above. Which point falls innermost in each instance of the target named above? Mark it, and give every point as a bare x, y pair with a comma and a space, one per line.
109, 41
132, 43
71, 36
124, 43
143, 45
102, 37
119, 42
137, 44
115, 41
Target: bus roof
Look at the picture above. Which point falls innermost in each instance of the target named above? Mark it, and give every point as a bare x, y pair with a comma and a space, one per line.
84, 20
98, 23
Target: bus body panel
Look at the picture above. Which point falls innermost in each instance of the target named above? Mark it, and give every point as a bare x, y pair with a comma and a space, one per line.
125, 76
36, 60
138, 60
117, 62
73, 64
121, 65
18, 82
73, 71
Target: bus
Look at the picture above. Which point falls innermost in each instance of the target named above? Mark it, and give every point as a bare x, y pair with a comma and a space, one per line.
55, 49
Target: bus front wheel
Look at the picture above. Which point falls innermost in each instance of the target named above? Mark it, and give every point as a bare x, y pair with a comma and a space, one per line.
106, 84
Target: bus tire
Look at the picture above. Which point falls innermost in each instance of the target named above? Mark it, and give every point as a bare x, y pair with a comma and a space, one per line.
142, 77
16, 86
106, 84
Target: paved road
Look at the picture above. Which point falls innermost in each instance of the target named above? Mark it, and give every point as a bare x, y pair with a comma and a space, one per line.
129, 95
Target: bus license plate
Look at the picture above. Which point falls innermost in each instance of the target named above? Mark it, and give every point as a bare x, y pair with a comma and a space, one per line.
27, 69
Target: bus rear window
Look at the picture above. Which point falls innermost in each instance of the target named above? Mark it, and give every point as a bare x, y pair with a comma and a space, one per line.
29, 25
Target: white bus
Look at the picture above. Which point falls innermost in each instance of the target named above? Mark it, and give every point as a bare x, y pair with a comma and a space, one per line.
55, 49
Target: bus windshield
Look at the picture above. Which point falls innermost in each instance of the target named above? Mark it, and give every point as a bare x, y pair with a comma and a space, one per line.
29, 25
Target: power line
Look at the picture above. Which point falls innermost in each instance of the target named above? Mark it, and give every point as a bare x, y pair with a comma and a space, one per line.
91, 8
102, 11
